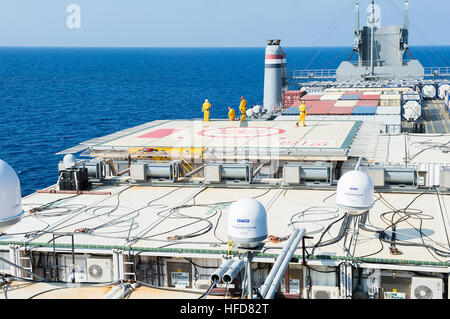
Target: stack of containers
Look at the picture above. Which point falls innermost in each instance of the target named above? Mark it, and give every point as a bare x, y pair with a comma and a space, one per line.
367, 104
293, 110
346, 103
312, 97
321, 107
290, 97
391, 99
411, 106
331, 96
390, 104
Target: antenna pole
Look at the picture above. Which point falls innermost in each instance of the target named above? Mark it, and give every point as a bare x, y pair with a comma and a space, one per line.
357, 31
250, 275
406, 18
372, 57
356, 19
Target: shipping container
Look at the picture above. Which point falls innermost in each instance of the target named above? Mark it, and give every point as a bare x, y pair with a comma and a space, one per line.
330, 97
368, 103
370, 97
390, 99
350, 97
312, 97
341, 110
321, 107
290, 97
364, 110
342, 103
389, 110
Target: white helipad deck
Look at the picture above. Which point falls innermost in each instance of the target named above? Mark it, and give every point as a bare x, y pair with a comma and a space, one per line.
327, 138
192, 221
326, 134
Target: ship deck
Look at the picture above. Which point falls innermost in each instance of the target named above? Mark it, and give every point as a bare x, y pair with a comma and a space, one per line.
148, 219
436, 118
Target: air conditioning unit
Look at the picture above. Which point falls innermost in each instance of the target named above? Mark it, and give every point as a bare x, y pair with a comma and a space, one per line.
69, 265
99, 270
324, 292
426, 288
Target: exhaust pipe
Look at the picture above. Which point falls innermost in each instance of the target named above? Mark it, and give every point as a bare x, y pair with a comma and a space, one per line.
233, 271
217, 275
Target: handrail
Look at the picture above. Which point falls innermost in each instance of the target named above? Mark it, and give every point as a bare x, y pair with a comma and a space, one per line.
331, 73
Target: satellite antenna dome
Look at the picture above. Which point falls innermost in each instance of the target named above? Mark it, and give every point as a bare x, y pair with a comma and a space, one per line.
247, 223
355, 192
69, 161
10, 197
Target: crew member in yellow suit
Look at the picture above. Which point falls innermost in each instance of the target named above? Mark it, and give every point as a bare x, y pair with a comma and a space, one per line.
231, 114
205, 109
302, 109
243, 108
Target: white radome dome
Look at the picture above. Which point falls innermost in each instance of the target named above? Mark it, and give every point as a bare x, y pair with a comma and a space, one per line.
247, 223
355, 192
69, 161
256, 109
10, 197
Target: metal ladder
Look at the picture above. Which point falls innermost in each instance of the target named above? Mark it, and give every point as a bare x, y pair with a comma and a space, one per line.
131, 271
25, 263
18, 257
123, 270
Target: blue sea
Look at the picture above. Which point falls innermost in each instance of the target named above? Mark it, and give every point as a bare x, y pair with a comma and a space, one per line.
54, 98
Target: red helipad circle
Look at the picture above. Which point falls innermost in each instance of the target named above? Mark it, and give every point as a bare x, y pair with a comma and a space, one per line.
241, 132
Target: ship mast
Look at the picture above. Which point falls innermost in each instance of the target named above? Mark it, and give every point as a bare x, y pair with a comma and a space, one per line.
372, 40
357, 33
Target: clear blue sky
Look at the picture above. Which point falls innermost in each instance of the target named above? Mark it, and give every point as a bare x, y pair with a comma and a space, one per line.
171, 23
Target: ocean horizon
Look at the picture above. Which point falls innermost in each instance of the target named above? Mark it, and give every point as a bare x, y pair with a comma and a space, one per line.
52, 98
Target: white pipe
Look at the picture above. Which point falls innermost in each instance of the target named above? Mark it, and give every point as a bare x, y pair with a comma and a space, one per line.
217, 275
112, 293
120, 291
277, 264
287, 259
233, 271
358, 164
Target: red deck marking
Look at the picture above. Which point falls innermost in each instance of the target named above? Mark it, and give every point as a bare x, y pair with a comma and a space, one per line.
163, 132
241, 132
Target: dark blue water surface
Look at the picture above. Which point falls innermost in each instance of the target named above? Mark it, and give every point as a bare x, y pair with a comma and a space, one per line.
54, 98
